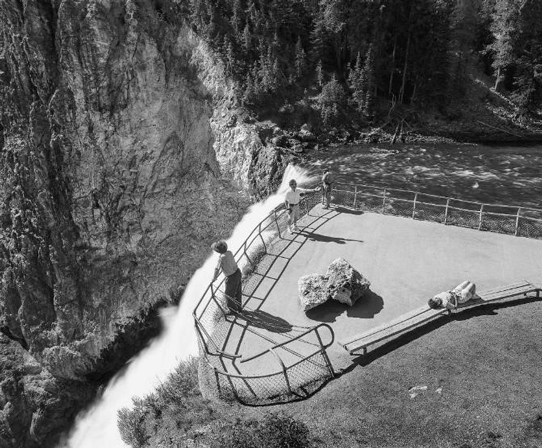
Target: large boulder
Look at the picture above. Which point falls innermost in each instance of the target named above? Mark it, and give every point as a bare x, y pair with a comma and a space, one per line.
312, 290
344, 283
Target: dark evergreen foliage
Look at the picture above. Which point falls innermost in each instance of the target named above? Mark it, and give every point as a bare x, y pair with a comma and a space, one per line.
397, 51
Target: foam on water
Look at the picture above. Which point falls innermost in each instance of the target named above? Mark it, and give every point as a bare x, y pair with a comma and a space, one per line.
97, 427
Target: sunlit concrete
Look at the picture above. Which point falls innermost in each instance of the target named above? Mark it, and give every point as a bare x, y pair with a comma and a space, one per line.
407, 262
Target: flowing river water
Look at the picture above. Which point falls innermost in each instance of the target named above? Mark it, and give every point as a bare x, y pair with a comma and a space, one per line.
508, 175
494, 175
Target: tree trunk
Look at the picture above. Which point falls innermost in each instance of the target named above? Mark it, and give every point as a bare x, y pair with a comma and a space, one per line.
392, 66
405, 67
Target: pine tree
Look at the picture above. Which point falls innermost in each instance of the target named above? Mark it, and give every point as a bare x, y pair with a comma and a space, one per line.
300, 59
356, 81
247, 39
368, 82
503, 28
528, 77
319, 74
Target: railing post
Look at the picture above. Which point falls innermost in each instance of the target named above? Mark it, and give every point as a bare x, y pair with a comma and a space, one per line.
260, 233
414, 206
324, 354
480, 218
217, 380
283, 370
277, 223
446, 212
384, 200
245, 252
517, 222
355, 195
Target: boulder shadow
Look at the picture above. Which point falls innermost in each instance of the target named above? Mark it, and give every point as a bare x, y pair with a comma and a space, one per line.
269, 322
367, 307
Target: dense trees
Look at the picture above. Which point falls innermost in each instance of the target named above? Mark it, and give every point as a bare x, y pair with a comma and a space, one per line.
379, 51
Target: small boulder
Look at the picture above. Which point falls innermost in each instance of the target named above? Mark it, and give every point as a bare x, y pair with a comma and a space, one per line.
306, 136
312, 290
344, 283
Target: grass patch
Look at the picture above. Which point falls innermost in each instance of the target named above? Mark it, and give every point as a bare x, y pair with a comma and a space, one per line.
482, 372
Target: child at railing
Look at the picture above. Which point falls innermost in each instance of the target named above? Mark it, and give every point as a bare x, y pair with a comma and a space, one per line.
228, 266
451, 299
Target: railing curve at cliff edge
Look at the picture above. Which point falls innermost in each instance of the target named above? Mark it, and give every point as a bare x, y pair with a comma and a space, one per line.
220, 374
291, 378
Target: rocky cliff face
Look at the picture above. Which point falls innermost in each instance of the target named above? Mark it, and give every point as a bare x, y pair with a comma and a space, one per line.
121, 160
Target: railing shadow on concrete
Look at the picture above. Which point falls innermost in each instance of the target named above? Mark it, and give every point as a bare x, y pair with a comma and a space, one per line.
297, 380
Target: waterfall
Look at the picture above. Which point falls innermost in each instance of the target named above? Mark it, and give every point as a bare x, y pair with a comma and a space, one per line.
97, 427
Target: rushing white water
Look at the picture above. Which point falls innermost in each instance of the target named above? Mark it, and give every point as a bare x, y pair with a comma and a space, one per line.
98, 426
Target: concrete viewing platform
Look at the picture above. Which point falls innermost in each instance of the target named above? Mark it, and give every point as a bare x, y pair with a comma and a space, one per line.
407, 261
272, 351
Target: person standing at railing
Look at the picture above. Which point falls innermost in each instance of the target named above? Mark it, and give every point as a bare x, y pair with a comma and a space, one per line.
291, 202
227, 265
327, 181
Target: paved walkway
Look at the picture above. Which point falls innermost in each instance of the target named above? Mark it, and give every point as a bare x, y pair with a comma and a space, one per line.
407, 262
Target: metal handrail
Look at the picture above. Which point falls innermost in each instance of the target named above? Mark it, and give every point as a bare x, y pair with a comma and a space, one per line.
315, 329
430, 195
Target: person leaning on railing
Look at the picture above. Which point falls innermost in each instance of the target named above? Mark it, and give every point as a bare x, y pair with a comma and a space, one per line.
291, 202
451, 299
327, 181
227, 265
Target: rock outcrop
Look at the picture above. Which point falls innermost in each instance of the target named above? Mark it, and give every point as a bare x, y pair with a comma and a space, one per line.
344, 283
121, 158
341, 282
312, 291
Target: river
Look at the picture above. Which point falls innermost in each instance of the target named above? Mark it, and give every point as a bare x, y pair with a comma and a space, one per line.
509, 175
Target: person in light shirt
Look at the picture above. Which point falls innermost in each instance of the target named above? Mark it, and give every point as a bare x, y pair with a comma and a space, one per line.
227, 265
451, 299
291, 202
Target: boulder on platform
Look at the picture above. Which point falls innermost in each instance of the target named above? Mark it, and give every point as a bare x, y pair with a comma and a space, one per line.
312, 290
344, 283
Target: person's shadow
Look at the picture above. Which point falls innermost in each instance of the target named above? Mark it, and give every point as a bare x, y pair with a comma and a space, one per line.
367, 307
350, 211
261, 319
313, 236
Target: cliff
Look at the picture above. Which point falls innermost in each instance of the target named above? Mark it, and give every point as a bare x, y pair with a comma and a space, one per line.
121, 160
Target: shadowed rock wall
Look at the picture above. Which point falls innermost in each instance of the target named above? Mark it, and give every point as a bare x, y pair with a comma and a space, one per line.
121, 160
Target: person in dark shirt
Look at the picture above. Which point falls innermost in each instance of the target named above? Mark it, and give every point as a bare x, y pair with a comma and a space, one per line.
327, 181
227, 265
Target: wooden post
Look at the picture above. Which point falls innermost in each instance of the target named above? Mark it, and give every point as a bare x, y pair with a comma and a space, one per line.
384, 200
446, 212
414, 206
480, 218
355, 195
517, 222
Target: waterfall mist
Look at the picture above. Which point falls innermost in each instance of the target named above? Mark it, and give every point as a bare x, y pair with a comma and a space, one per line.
97, 427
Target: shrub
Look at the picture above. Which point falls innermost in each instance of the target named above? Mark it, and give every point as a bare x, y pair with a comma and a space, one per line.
168, 416
273, 431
